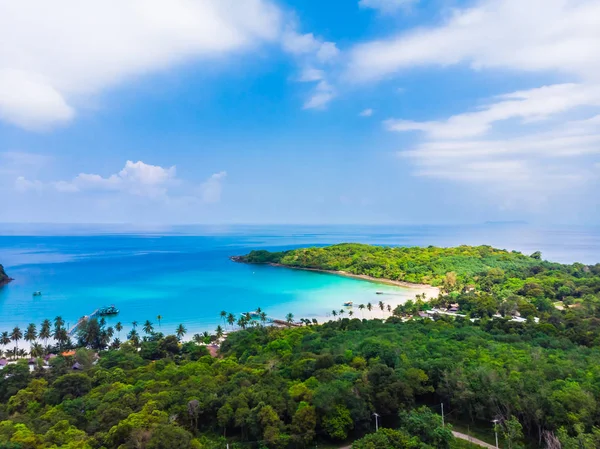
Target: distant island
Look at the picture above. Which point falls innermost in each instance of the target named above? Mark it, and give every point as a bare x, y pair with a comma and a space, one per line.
4, 278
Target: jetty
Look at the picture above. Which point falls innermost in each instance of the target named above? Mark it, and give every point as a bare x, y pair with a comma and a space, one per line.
73, 329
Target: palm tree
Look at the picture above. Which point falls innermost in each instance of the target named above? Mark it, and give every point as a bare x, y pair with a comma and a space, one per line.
109, 332
119, 328
36, 350
361, 307
242, 322
5, 339
289, 318
159, 317
223, 315
369, 306
334, 313
180, 331
134, 324
350, 313
58, 322
381, 305
16, 335
219, 332
134, 337
389, 308
315, 322
263, 318
198, 339
231, 319
148, 328
61, 336
30, 333
45, 331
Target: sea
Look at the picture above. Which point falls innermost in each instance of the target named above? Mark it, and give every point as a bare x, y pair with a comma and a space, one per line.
184, 273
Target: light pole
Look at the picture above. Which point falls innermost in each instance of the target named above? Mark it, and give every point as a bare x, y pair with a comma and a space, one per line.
376, 422
495, 421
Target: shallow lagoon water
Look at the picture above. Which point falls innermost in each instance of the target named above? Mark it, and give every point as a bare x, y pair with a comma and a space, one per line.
185, 275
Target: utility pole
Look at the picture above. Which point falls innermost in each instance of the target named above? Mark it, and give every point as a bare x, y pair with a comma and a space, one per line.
443, 425
376, 422
495, 421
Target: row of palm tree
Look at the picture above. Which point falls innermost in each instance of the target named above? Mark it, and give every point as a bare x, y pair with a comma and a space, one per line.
57, 331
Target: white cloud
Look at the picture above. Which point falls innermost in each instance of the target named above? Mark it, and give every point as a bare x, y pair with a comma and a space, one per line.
54, 54
313, 54
321, 96
386, 6
24, 185
310, 74
544, 35
530, 105
366, 113
211, 190
307, 44
136, 179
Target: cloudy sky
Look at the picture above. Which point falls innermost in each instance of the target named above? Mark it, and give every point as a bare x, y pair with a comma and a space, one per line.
300, 111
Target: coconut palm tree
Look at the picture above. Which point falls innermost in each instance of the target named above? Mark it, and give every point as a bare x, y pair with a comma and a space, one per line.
36, 350
16, 335
134, 324
334, 313
315, 322
231, 319
219, 332
369, 306
5, 339
58, 322
242, 322
289, 318
148, 328
389, 308
341, 313
223, 315
381, 305
263, 318
350, 313
119, 328
198, 339
30, 334
361, 308
134, 337
180, 331
45, 333
159, 317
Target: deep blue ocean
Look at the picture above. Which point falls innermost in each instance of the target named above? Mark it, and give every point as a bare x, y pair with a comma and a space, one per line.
185, 275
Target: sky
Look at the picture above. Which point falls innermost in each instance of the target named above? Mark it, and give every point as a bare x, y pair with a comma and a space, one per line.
300, 111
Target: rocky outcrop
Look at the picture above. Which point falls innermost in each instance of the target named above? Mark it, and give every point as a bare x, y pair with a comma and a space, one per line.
4, 279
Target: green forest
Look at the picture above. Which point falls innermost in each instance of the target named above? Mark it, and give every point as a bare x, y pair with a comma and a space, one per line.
305, 384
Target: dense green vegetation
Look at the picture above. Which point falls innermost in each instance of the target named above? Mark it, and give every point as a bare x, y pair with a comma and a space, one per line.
283, 388
482, 279
4, 279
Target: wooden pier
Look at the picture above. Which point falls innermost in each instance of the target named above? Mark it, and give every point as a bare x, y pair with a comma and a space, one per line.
73, 329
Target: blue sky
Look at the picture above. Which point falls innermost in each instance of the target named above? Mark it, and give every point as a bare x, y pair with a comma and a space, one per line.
258, 111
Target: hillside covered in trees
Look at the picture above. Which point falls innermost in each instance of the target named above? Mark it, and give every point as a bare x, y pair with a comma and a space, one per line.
287, 388
506, 281
4, 279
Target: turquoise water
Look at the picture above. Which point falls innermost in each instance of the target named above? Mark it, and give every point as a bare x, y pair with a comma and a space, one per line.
185, 275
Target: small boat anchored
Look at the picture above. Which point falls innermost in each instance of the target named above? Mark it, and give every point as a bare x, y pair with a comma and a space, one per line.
348, 304
37, 293
110, 310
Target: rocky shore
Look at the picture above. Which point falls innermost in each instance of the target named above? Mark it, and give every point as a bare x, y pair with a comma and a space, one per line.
4, 278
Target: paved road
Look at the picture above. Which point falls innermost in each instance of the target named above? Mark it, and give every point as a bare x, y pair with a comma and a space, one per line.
466, 437
462, 436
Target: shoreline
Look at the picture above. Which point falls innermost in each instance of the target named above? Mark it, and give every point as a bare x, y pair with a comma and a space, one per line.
429, 290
